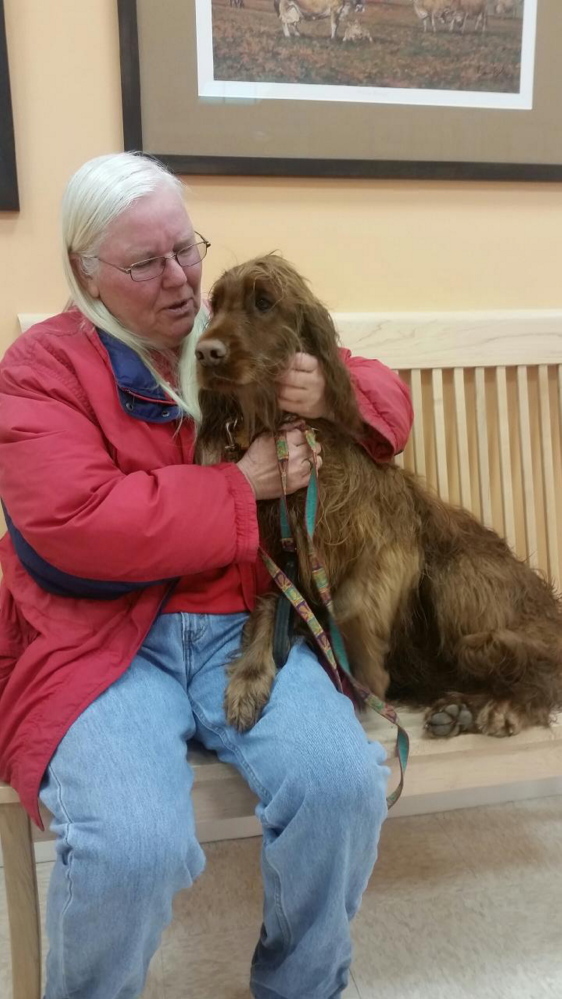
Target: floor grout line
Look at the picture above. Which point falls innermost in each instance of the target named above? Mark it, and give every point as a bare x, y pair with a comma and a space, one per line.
352, 977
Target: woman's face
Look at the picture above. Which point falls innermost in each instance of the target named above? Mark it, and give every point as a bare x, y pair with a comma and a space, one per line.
163, 309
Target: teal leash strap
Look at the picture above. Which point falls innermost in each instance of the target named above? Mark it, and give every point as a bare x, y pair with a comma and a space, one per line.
333, 651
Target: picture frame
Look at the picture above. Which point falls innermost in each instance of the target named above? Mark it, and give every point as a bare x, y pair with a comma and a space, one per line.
9, 197
165, 116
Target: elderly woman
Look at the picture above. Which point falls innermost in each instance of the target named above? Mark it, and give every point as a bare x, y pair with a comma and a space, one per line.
128, 575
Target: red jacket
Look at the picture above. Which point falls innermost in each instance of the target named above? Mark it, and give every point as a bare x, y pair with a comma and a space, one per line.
105, 512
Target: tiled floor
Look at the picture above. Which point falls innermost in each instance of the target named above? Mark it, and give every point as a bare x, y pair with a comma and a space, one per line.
462, 904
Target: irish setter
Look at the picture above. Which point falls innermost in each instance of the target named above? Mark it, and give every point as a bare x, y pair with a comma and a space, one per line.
435, 609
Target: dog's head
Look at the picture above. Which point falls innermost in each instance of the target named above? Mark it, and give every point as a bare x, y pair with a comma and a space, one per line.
262, 314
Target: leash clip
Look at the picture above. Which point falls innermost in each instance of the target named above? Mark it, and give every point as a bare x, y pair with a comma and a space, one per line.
230, 429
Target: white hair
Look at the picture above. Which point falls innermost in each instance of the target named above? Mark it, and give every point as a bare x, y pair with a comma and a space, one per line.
95, 196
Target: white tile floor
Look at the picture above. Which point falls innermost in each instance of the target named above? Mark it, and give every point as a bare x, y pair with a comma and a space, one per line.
462, 904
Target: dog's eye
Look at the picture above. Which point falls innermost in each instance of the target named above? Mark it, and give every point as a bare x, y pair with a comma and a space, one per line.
263, 304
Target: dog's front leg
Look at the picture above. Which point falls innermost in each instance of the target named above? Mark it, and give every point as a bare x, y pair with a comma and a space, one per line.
253, 671
367, 647
368, 606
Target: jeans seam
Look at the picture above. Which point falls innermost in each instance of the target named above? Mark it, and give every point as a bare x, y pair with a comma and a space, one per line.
189, 637
221, 733
265, 796
281, 914
248, 770
68, 875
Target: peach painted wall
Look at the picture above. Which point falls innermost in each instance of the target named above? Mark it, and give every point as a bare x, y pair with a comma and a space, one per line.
366, 245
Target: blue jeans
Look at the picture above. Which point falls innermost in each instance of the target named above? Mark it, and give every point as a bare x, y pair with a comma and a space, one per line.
119, 787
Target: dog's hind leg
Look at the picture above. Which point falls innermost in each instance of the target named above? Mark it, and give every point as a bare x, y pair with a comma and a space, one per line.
512, 679
456, 713
519, 678
498, 628
253, 671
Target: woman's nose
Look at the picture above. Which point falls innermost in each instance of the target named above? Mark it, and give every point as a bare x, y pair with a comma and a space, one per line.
173, 275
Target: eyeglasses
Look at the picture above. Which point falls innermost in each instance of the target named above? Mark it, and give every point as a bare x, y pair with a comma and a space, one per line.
153, 267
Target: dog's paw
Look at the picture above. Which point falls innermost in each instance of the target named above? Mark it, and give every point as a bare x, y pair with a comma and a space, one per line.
444, 720
245, 700
499, 719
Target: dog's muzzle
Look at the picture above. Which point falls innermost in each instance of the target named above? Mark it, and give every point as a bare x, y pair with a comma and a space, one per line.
211, 353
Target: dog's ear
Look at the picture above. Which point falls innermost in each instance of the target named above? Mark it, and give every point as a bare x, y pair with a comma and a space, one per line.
318, 333
319, 338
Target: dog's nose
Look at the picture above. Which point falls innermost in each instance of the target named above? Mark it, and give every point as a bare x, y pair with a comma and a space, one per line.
211, 352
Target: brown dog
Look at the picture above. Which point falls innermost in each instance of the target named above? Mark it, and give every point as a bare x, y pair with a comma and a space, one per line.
434, 608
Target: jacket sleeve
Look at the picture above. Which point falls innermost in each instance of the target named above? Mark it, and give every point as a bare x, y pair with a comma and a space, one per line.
384, 404
84, 516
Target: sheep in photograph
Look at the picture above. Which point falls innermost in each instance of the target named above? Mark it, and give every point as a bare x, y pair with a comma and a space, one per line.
291, 12
462, 10
355, 32
432, 11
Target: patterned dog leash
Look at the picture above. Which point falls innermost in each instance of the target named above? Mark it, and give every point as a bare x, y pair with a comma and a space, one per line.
332, 648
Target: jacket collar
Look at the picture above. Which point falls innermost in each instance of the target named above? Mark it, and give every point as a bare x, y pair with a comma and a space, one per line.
140, 396
130, 371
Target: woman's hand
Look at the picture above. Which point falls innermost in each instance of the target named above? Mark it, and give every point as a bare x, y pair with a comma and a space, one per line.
302, 389
261, 468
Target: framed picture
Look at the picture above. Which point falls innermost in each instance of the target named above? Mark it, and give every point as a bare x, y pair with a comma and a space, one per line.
9, 200
450, 89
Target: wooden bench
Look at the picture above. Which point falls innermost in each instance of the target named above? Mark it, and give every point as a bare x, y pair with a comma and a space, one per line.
487, 393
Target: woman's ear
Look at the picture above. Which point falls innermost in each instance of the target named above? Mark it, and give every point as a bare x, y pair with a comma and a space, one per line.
85, 279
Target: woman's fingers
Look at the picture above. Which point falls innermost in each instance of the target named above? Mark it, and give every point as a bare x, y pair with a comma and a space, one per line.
260, 465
